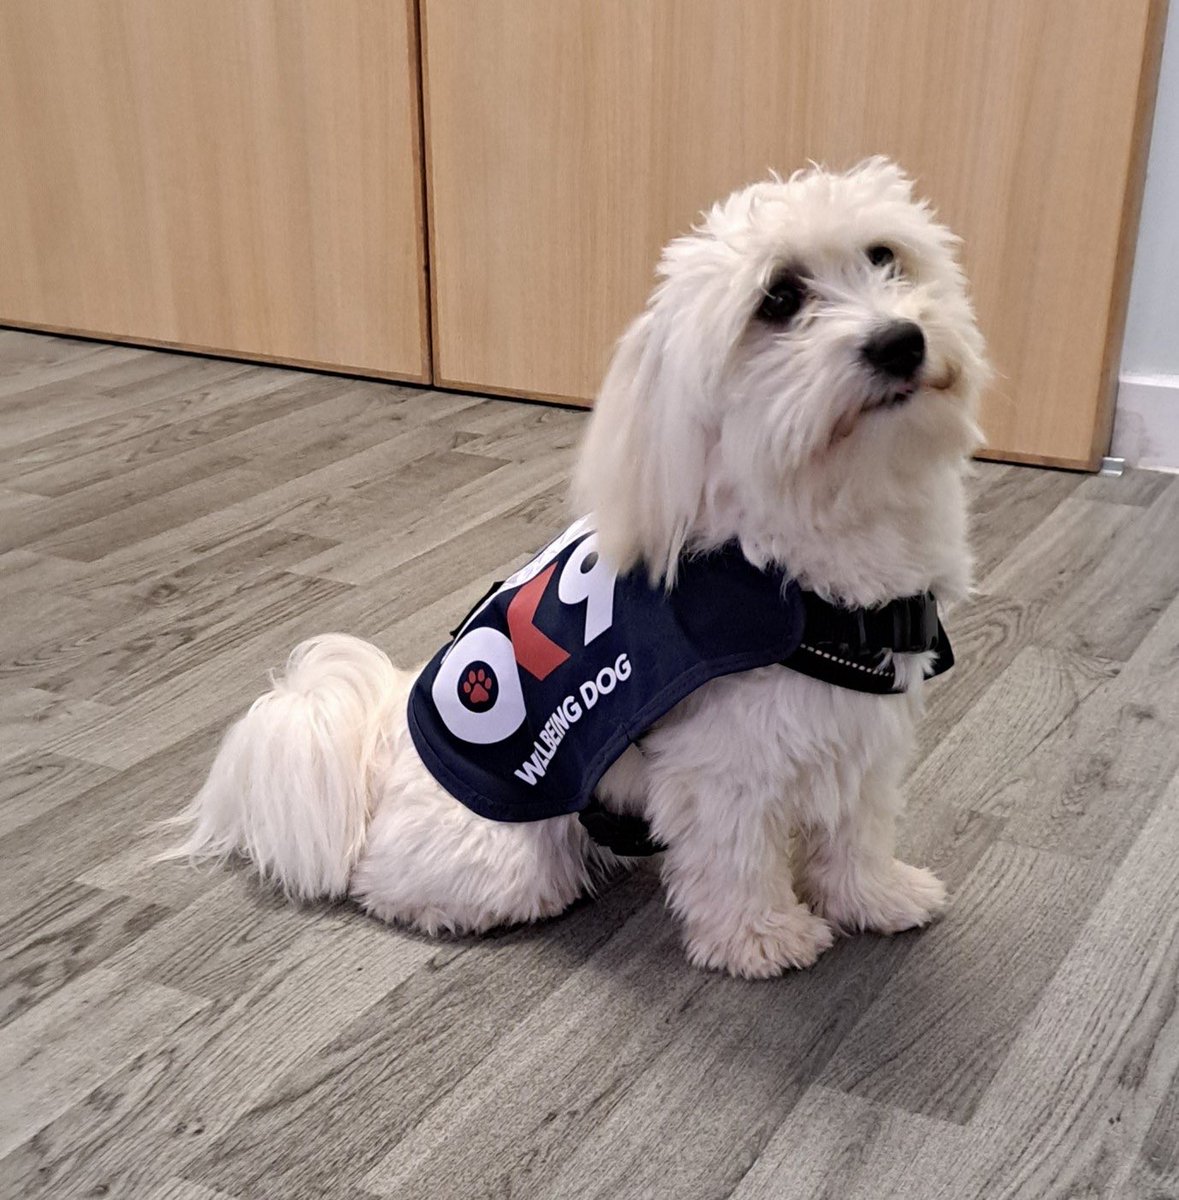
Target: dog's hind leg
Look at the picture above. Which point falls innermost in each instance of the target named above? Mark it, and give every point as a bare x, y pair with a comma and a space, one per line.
434, 864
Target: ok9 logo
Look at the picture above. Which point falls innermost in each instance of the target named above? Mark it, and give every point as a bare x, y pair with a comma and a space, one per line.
478, 691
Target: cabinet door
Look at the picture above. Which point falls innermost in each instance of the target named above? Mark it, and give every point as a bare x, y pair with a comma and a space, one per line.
567, 141
239, 176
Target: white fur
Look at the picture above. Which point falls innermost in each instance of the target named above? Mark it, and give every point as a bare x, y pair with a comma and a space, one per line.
777, 795
292, 784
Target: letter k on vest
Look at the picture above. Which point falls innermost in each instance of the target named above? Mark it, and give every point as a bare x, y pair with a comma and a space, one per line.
535, 651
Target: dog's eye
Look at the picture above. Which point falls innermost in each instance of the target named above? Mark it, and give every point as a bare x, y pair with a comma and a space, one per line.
782, 300
881, 256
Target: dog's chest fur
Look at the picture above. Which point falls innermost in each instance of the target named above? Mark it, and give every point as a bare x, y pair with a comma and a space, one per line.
783, 738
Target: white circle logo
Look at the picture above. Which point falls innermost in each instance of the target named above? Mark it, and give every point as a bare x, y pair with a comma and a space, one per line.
477, 689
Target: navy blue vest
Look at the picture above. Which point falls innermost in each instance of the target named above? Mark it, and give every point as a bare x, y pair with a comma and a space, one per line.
554, 673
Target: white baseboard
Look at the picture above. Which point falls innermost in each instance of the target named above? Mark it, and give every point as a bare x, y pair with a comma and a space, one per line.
1146, 422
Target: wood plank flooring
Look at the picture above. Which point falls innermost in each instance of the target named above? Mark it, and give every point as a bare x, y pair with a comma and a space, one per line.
170, 526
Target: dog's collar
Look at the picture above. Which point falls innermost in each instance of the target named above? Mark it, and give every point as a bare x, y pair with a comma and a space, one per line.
854, 647
907, 625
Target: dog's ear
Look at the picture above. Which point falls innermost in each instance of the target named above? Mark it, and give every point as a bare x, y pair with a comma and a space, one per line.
641, 469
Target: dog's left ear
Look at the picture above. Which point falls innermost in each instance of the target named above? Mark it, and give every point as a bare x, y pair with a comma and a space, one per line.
643, 464
641, 467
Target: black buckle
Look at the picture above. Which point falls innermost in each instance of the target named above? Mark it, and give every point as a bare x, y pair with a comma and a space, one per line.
860, 631
914, 623
902, 623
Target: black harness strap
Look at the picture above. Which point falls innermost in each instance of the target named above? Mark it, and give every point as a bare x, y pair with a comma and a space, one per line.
627, 836
476, 606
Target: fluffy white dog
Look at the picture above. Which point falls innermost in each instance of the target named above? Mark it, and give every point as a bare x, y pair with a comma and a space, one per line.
803, 381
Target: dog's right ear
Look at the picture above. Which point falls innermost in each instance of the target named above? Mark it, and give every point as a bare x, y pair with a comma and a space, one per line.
641, 469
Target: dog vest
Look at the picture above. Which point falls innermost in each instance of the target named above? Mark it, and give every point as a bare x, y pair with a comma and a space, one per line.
560, 667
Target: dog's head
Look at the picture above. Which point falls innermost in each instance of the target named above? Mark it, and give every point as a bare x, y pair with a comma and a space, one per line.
810, 344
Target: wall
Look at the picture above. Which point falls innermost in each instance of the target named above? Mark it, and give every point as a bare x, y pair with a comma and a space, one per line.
1146, 428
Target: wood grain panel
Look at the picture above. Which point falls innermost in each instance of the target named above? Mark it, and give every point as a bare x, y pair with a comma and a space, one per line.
240, 178
567, 142
929, 993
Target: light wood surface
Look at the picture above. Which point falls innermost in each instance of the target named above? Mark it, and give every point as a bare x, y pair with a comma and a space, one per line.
567, 142
237, 177
173, 525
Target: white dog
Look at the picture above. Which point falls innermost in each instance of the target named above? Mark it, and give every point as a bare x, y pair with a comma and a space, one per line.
803, 381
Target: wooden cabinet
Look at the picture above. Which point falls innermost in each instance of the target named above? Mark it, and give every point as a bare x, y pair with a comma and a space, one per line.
239, 176
568, 141
251, 177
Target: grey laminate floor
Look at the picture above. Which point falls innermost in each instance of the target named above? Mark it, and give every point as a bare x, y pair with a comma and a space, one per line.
170, 526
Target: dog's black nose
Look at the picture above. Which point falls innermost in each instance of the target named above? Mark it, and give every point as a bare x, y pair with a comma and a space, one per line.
896, 349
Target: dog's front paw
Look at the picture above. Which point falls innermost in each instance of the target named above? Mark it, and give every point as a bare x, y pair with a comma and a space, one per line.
762, 947
899, 897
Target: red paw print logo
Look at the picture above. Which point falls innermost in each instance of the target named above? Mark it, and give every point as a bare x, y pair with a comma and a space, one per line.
477, 687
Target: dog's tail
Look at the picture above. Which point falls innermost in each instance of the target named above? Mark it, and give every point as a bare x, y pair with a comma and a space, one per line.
291, 786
